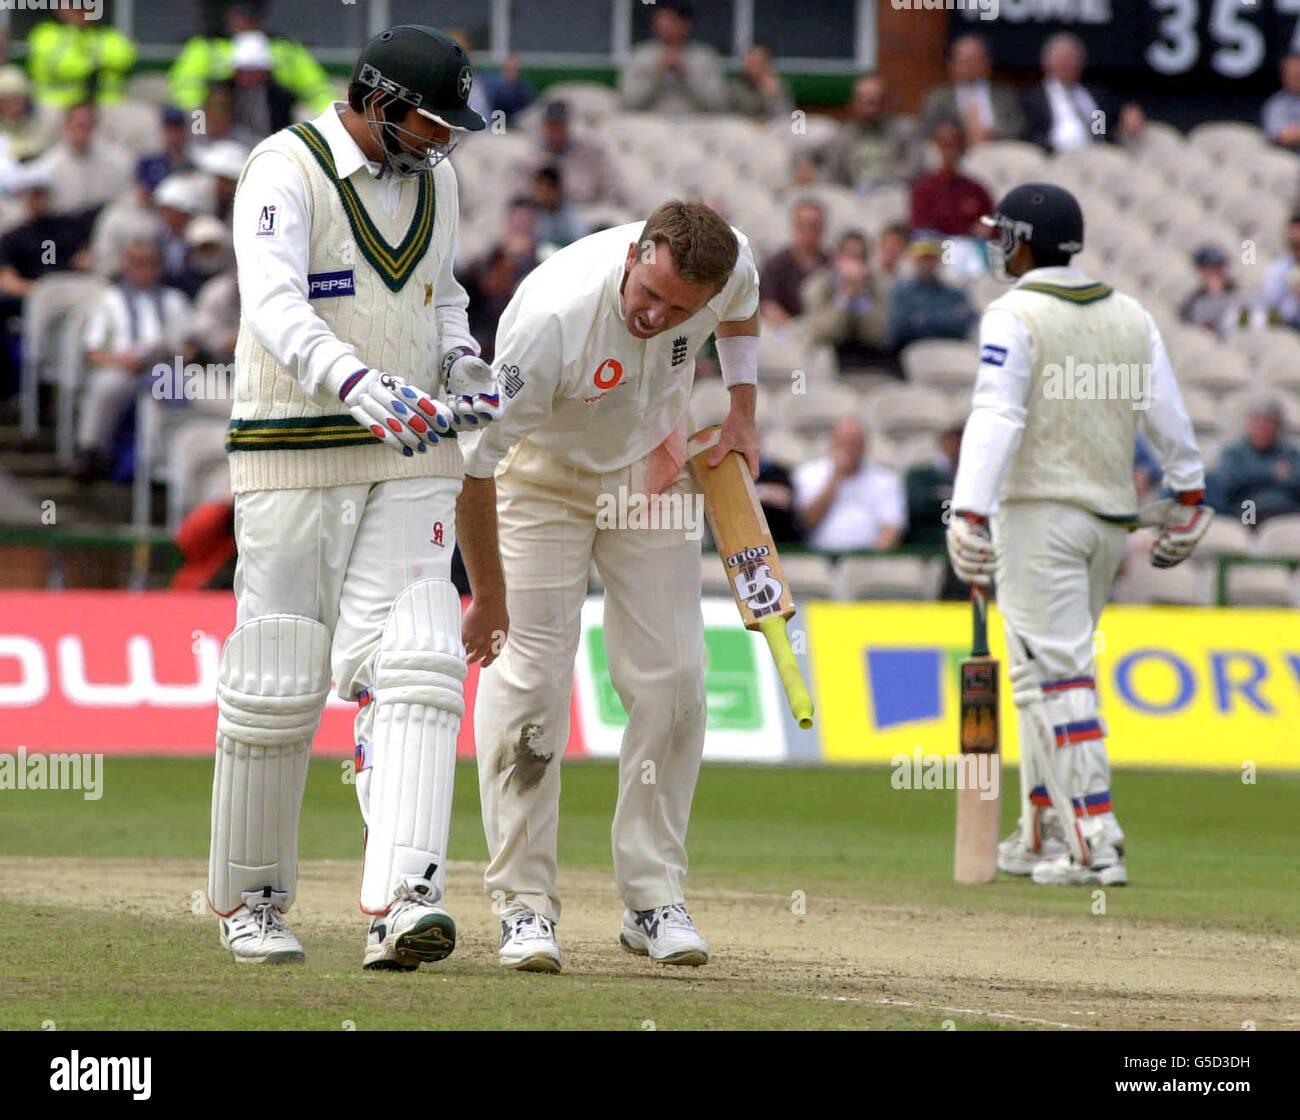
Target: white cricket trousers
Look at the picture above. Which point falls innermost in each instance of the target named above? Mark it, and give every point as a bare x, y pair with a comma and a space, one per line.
654, 643
1056, 565
341, 555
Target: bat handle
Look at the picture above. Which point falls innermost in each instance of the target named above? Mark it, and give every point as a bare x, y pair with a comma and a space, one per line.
979, 599
796, 692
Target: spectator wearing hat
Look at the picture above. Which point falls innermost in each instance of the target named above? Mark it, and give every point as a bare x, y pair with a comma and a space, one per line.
222, 162
1281, 116
41, 244
215, 327
174, 157
179, 199
984, 109
44, 242
946, 200
758, 91
1261, 469
846, 305
929, 503
259, 104
557, 223
784, 273
205, 60
1216, 304
139, 323
671, 74
85, 170
585, 172
74, 58
27, 128
846, 502
924, 306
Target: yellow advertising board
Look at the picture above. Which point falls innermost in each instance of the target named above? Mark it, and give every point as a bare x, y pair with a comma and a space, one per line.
1179, 686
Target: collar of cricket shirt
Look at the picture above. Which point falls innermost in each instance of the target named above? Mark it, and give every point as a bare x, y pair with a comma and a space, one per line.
395, 264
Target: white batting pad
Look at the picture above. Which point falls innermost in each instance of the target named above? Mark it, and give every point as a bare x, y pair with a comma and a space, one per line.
418, 703
271, 690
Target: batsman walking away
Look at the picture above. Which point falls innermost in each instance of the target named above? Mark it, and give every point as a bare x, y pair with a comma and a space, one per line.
1044, 500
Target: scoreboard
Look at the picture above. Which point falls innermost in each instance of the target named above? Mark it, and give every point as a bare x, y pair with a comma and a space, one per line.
1196, 58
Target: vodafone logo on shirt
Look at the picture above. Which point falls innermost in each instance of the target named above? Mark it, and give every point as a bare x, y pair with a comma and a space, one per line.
608, 374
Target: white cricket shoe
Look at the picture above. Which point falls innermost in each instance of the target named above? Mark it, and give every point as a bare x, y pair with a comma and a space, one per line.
1105, 867
665, 934
1015, 857
256, 933
528, 942
415, 931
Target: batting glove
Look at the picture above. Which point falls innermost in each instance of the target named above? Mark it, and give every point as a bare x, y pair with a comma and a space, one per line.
472, 392
970, 548
397, 413
1181, 520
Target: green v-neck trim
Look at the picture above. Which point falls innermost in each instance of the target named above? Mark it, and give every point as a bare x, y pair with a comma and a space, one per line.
395, 264
1087, 293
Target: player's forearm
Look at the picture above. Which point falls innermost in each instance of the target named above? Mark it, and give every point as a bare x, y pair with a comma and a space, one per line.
476, 530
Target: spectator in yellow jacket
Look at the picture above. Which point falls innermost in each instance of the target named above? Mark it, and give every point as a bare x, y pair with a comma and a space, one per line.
203, 61
73, 59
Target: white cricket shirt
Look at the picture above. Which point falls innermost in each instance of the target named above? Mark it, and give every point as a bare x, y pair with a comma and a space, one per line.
575, 380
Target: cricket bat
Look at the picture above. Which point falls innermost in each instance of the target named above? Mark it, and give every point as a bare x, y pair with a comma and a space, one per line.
753, 567
978, 820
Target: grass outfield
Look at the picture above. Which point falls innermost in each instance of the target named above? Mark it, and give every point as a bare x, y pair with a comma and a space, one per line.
1205, 853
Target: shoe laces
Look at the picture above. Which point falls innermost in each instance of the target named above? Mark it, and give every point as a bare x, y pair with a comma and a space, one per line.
673, 917
529, 925
268, 919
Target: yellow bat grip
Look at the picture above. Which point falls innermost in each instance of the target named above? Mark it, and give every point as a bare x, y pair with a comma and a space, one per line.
796, 692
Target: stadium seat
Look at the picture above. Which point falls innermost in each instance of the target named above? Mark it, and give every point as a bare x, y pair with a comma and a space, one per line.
1163, 145
1094, 165
1280, 369
1228, 142
810, 576
1204, 409
1260, 585
886, 577
589, 102
1275, 172
1280, 536
815, 412
1218, 372
940, 363
1259, 345
1225, 537
1141, 583
45, 313
710, 402
900, 411
134, 125
787, 448
197, 450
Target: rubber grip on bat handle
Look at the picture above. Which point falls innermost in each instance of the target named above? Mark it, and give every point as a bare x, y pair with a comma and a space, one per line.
796, 692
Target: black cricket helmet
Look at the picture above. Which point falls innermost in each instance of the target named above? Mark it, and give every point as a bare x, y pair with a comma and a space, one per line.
1044, 215
413, 66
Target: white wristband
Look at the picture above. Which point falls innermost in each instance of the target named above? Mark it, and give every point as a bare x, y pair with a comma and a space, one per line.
738, 357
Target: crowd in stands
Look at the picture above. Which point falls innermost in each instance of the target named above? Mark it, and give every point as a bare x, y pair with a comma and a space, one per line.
97, 184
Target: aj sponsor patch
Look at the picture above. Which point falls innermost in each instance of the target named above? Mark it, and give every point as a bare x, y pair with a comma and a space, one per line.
329, 285
266, 222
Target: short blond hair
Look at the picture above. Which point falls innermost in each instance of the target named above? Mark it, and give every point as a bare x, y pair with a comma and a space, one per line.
703, 246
